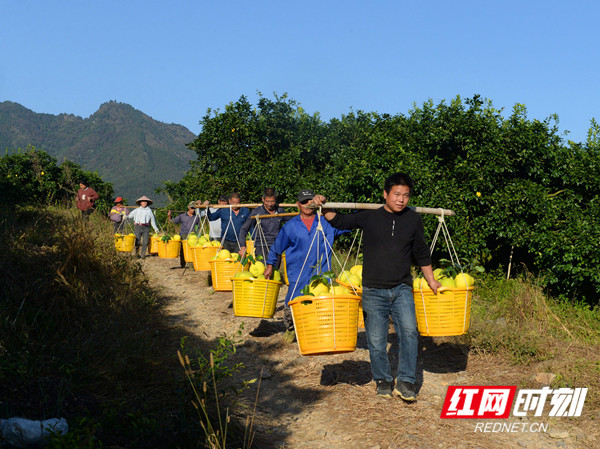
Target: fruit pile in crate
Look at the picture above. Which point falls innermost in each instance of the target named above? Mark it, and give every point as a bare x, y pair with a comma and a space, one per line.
448, 312
352, 278
253, 294
194, 240
223, 266
325, 316
256, 270
124, 242
169, 246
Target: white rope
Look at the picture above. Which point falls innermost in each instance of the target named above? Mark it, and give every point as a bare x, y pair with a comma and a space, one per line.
424, 310
453, 259
304, 263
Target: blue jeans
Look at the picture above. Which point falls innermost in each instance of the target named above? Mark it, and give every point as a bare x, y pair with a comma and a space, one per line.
378, 304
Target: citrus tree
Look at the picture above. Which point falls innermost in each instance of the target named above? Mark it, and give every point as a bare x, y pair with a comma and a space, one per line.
517, 188
33, 177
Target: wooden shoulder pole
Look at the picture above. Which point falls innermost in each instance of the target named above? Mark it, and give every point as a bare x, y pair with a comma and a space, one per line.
363, 206
286, 214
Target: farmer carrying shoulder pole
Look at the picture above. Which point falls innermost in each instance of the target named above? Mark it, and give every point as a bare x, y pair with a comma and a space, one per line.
143, 218
232, 220
189, 221
270, 228
118, 215
303, 259
393, 234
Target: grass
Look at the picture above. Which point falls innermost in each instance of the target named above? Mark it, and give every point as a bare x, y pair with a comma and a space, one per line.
84, 337
514, 318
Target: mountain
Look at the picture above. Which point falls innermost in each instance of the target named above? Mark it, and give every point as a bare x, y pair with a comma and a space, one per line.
127, 147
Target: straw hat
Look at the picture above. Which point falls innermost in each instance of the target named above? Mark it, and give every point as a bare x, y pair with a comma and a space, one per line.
144, 198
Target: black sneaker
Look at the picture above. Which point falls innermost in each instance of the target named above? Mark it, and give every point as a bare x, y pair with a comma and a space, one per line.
384, 388
406, 391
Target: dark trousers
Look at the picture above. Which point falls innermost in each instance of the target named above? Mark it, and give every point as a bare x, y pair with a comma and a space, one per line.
231, 246
85, 214
142, 238
182, 261
118, 227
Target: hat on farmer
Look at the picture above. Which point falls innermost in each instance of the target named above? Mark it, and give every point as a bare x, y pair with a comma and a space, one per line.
305, 194
144, 198
192, 205
118, 199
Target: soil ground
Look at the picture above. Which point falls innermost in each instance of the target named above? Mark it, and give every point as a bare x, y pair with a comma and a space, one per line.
329, 401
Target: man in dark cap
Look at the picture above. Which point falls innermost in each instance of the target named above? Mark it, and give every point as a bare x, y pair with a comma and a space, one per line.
306, 252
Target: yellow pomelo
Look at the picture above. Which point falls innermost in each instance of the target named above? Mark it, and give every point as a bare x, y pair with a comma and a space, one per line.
223, 254
421, 284
257, 268
338, 290
464, 280
176, 237
276, 276
345, 276
355, 280
357, 269
215, 243
319, 289
243, 275
448, 282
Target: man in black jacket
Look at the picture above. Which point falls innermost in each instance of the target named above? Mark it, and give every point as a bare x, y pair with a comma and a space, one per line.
393, 235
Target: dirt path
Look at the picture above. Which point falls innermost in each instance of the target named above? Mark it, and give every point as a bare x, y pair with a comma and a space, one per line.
330, 402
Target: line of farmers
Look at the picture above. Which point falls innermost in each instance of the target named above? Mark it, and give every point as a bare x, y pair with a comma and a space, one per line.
393, 237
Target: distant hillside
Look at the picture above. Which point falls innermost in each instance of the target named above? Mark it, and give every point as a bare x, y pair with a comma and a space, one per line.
128, 148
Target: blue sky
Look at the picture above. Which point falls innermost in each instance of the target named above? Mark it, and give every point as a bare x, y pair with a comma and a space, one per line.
173, 60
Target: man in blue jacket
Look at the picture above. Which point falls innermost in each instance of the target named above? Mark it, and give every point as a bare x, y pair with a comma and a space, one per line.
232, 220
296, 238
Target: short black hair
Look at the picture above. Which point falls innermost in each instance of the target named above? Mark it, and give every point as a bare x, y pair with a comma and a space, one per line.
235, 195
224, 198
269, 192
398, 179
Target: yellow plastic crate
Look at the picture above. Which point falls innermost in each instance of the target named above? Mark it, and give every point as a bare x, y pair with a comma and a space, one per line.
445, 314
188, 256
255, 297
201, 255
325, 324
169, 250
222, 271
153, 248
125, 243
283, 270
358, 292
